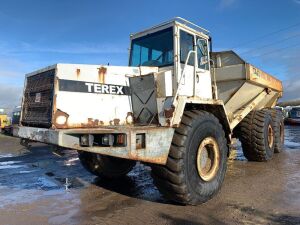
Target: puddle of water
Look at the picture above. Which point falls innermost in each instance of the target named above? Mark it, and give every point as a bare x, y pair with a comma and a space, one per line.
68, 183
46, 184
4, 167
71, 161
6, 155
26, 171
290, 144
138, 184
10, 165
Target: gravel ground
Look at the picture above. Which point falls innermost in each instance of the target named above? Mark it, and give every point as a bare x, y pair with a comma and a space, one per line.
38, 187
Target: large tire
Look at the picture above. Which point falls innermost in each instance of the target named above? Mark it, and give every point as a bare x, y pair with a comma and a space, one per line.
279, 130
257, 135
105, 166
197, 160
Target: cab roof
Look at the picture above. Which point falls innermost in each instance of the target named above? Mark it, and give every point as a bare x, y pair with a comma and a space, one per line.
181, 22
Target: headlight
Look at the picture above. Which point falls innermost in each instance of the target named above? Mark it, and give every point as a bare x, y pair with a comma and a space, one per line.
61, 120
129, 119
108, 139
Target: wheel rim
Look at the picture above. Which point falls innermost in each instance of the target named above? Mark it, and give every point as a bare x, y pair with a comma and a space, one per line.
270, 136
208, 158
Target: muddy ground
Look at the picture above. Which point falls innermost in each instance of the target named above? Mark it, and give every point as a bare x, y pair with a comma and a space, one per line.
38, 187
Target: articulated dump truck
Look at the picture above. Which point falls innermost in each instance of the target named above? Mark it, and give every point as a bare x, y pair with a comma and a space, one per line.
176, 107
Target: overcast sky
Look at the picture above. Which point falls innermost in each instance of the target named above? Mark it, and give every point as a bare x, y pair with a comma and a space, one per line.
35, 34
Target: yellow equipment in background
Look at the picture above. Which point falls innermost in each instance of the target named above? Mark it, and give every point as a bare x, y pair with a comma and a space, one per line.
4, 121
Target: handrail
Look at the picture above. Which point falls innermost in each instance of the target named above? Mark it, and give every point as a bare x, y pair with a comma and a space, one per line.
215, 81
191, 23
183, 72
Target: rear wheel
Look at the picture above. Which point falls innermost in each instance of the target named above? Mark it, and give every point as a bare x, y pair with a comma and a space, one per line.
105, 166
279, 130
197, 159
257, 135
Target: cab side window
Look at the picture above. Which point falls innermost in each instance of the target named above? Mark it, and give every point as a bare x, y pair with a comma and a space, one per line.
202, 53
186, 45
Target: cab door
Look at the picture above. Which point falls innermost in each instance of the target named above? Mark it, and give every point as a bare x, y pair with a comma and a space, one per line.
203, 83
187, 62
194, 66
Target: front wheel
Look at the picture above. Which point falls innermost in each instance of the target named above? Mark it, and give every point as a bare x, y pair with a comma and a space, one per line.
196, 164
105, 166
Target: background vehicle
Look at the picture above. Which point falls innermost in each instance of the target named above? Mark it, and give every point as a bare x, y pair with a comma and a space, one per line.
176, 106
4, 120
9, 129
293, 116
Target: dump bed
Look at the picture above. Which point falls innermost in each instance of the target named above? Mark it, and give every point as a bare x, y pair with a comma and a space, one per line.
239, 82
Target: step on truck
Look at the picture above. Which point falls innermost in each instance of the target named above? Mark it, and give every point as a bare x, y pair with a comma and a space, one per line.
176, 106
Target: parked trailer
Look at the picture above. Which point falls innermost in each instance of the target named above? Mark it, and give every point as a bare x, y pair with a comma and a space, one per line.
293, 116
170, 107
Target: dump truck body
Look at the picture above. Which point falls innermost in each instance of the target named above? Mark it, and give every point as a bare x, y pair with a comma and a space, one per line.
65, 101
170, 107
240, 83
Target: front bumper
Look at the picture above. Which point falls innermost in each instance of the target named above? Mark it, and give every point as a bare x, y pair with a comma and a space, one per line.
157, 141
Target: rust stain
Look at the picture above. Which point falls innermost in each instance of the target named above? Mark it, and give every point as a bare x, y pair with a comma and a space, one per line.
90, 120
169, 112
58, 113
54, 110
91, 123
168, 122
116, 121
133, 155
95, 123
78, 73
101, 74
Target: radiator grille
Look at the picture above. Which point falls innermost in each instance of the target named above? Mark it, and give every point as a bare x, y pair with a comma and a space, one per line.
38, 98
143, 98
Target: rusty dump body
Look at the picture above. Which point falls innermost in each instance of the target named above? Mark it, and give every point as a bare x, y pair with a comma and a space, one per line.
132, 112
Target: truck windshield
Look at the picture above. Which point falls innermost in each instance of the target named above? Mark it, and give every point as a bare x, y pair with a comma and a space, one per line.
153, 50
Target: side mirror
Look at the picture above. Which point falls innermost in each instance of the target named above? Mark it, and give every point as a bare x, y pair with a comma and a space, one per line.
202, 45
203, 60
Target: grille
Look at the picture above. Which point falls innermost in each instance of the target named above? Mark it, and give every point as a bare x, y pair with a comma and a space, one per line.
38, 98
143, 98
